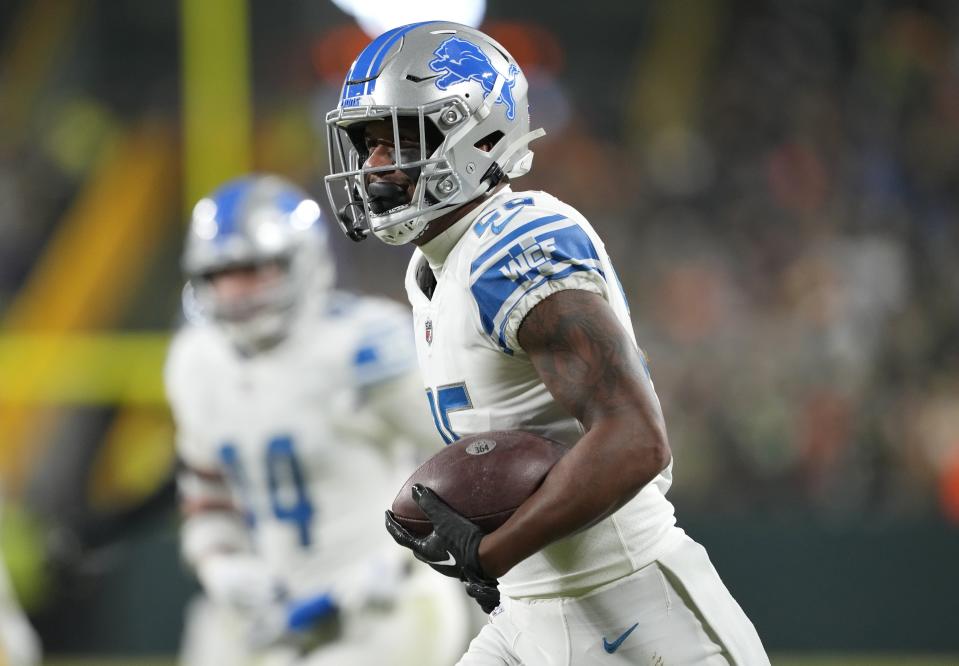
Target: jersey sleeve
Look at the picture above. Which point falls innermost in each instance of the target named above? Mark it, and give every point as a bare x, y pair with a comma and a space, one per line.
211, 522
384, 349
540, 254
187, 364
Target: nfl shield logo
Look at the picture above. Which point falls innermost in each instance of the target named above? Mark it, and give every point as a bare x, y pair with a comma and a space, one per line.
429, 331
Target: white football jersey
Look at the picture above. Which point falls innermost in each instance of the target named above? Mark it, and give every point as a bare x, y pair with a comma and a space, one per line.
290, 430
519, 248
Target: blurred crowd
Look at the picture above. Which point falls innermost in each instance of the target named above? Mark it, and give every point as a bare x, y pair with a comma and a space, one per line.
790, 247
776, 181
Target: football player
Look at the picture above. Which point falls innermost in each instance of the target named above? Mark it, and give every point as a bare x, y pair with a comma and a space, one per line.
295, 405
521, 323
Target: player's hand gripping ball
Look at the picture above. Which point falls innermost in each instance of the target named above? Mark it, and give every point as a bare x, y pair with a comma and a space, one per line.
465, 491
483, 477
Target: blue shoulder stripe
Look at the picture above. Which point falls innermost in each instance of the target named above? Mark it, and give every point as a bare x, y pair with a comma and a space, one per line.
556, 251
513, 235
501, 337
384, 351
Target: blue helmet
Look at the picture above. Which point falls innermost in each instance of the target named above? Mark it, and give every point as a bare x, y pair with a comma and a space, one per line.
248, 222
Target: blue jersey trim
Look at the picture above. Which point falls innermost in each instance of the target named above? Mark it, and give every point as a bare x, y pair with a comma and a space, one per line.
501, 338
379, 371
502, 279
383, 353
513, 235
489, 297
574, 241
436, 419
642, 359
307, 614
366, 356
619, 283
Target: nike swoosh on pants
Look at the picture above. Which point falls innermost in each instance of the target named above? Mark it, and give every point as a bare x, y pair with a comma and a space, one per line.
612, 647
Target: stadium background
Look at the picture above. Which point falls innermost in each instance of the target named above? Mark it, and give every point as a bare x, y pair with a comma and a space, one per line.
777, 182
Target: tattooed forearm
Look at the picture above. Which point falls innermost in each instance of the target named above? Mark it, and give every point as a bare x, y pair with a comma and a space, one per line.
583, 354
592, 367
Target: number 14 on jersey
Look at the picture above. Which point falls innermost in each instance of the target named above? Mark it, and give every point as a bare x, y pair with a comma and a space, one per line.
288, 496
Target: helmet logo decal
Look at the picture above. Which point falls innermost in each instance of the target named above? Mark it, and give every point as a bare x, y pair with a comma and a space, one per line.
459, 60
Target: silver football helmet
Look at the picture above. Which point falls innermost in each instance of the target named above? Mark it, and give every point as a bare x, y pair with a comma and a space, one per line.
464, 96
251, 222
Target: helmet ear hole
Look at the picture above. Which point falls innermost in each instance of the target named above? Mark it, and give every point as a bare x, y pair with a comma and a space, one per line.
488, 141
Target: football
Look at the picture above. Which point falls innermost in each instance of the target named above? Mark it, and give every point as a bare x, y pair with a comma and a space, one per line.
484, 477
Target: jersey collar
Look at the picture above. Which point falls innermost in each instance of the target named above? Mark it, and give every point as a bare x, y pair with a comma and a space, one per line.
438, 249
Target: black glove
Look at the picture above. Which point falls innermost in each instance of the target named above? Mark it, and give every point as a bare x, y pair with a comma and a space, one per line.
452, 548
487, 596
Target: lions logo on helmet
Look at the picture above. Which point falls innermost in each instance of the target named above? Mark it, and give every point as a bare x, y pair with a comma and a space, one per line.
464, 61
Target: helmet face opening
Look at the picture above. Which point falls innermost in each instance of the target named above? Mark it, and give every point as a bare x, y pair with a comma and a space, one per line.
455, 104
365, 135
432, 185
241, 292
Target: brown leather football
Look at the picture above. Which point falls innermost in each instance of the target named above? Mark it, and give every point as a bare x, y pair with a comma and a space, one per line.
485, 477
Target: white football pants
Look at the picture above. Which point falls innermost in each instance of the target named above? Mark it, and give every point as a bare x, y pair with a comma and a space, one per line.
673, 612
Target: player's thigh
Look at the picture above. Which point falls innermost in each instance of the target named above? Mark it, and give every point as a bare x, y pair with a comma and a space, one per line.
493, 645
639, 620
671, 631
695, 580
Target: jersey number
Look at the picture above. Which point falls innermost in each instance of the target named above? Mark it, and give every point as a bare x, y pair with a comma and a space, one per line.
492, 220
289, 499
449, 398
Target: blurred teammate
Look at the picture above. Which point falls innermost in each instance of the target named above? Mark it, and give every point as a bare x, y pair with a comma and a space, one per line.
521, 322
291, 401
19, 644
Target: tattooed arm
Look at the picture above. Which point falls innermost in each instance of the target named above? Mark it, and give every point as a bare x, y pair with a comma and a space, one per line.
592, 367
